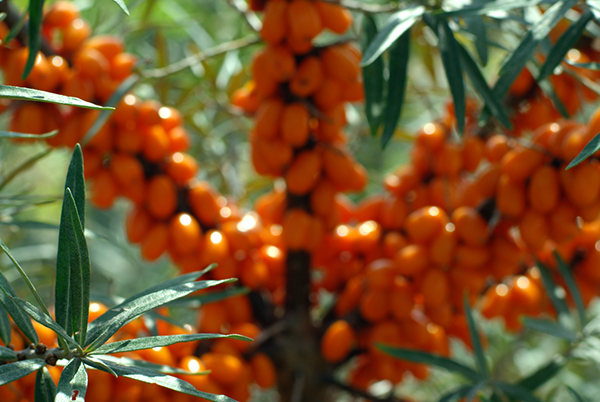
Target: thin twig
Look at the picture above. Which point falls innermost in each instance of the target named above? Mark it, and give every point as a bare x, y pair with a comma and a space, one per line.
200, 57
250, 17
366, 8
359, 392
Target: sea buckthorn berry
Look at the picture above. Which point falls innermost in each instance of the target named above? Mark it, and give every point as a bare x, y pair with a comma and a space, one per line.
337, 342
126, 169
519, 163
162, 197
443, 246
340, 62
511, 197
432, 137
90, 63
137, 224
424, 224
435, 287
496, 147
214, 247
374, 305
110, 46
534, 229
280, 63
303, 20
181, 167
543, 191
401, 298
155, 241
470, 226
328, 94
179, 139
393, 212
322, 198
296, 224
274, 26
122, 66
265, 84
294, 124
265, 373
411, 260
335, 18
104, 190
268, 118
156, 143
304, 172
582, 183
225, 369
194, 365
184, 233
61, 14
308, 77
42, 75
75, 34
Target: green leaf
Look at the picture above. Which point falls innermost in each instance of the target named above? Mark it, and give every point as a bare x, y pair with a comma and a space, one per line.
373, 79
472, 394
25, 277
5, 335
493, 103
122, 6
72, 260
564, 43
575, 395
197, 301
114, 100
587, 66
398, 67
549, 90
533, 37
180, 280
18, 315
16, 29
484, 7
91, 361
150, 342
476, 26
555, 293
431, 359
594, 5
23, 166
591, 148
45, 389
516, 391
449, 49
36, 13
541, 376
475, 340
47, 322
7, 354
13, 371
455, 395
565, 272
73, 382
28, 94
79, 262
163, 380
128, 311
398, 23
549, 327
10, 134
143, 364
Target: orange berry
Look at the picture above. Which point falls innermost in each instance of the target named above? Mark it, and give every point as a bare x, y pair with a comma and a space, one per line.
304, 172
184, 233
181, 167
424, 224
264, 370
155, 241
161, 200
338, 340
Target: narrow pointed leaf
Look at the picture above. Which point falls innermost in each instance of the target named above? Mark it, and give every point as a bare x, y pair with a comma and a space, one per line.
549, 327
576, 397
588, 66
91, 361
564, 43
7, 354
479, 83
548, 88
472, 394
475, 340
73, 382
449, 50
114, 100
24, 276
150, 342
373, 79
590, 149
456, 395
197, 301
5, 335
476, 26
398, 67
21, 319
10, 134
484, 7
36, 13
75, 181
523, 53
565, 272
45, 389
431, 359
23, 166
556, 295
180, 280
541, 376
398, 23
13, 371
79, 263
122, 6
143, 364
28, 94
516, 391
128, 311
47, 322
166, 381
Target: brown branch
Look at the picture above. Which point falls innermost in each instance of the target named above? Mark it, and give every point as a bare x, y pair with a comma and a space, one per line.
200, 57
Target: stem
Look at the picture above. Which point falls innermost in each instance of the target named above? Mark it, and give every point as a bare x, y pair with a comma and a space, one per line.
13, 17
200, 57
39, 351
366, 8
